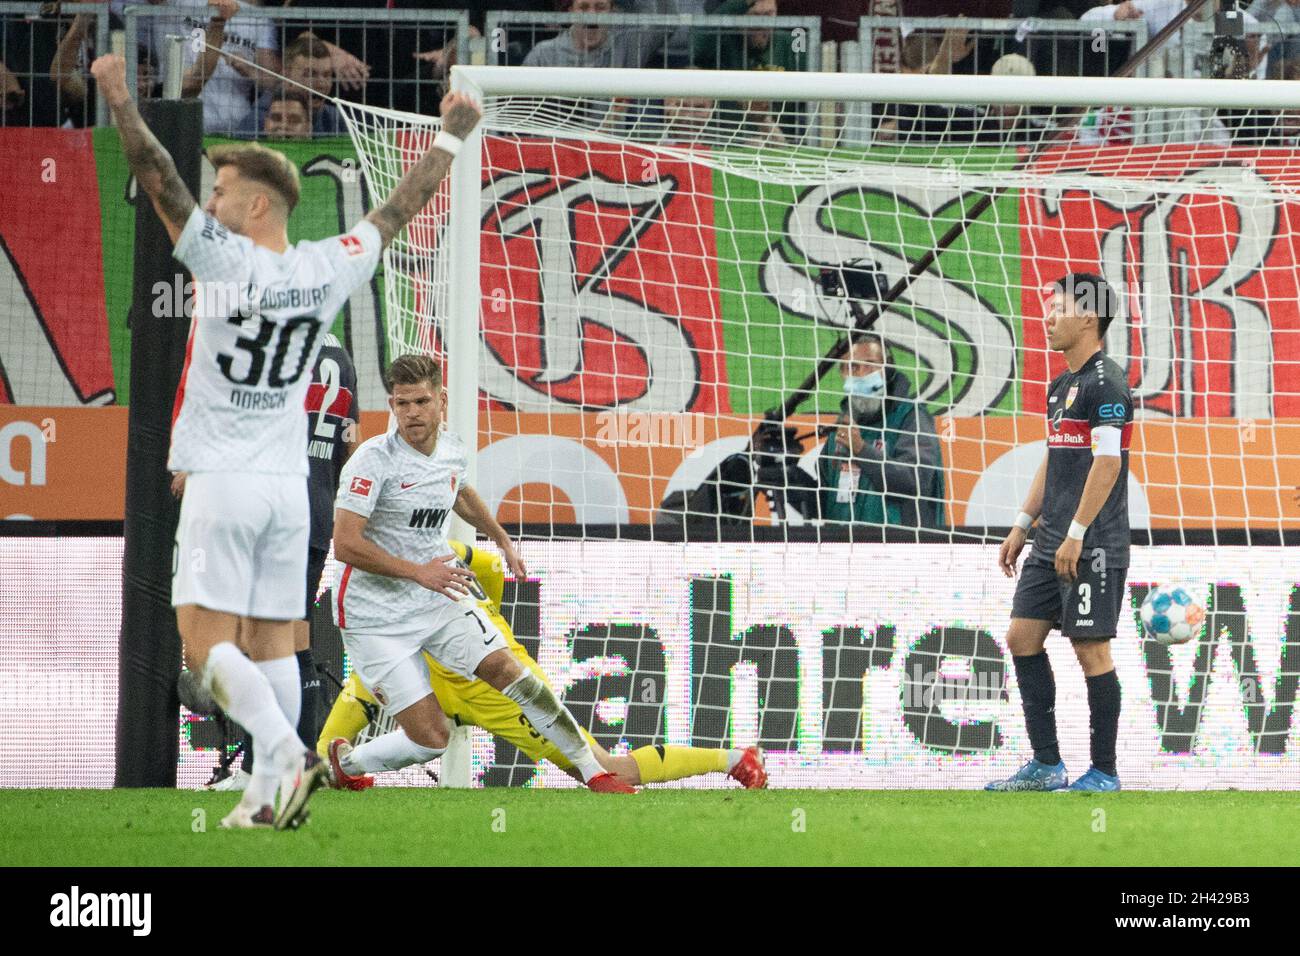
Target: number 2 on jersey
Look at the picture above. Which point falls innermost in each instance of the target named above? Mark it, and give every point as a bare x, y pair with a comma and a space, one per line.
333, 381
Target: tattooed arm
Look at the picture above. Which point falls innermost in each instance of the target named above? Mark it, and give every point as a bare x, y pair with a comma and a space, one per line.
459, 115
152, 165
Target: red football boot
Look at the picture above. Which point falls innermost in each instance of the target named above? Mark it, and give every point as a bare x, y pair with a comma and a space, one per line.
608, 783
749, 770
341, 779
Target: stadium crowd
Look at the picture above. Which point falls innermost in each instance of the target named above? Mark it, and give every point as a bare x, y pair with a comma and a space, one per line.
399, 52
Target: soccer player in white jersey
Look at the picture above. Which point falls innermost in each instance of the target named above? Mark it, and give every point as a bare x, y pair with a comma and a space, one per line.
262, 308
400, 592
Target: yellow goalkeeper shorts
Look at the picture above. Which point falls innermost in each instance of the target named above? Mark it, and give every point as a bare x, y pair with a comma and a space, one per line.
476, 704
466, 702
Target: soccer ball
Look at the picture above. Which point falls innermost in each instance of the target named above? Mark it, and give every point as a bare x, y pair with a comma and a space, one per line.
1171, 615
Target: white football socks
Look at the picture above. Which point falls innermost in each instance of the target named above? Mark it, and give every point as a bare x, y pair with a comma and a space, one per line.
552, 720
286, 681
392, 751
242, 690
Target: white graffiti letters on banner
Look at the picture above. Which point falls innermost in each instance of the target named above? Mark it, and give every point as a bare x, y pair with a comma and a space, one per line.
963, 316
525, 208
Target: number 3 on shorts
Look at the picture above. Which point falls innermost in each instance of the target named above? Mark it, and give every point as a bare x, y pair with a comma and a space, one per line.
1085, 598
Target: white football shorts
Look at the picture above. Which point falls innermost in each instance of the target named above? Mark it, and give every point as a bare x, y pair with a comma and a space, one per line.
241, 544
389, 660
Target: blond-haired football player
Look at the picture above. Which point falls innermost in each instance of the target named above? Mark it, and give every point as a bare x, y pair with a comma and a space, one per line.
399, 592
475, 703
239, 434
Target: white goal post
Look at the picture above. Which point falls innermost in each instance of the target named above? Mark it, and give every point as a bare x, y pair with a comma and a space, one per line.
488, 82
621, 251
1167, 119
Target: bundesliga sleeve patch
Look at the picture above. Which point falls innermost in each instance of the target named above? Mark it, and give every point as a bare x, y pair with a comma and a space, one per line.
360, 486
352, 245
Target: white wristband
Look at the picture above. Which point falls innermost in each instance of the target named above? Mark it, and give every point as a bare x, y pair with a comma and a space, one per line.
1076, 531
448, 143
1023, 521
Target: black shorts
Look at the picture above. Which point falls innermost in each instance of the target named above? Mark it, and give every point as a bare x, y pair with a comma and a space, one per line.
1086, 610
315, 568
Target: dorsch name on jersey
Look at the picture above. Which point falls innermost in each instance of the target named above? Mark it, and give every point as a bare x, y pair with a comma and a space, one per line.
259, 320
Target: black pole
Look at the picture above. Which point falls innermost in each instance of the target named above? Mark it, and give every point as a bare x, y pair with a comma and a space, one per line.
867, 319
150, 658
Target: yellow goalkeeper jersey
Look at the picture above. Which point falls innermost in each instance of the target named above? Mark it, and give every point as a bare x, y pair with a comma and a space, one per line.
465, 702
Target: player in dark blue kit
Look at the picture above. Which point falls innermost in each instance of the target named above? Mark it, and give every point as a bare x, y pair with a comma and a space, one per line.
1074, 577
333, 434
333, 418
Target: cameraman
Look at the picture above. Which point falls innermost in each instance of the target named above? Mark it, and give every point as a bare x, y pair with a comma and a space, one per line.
881, 465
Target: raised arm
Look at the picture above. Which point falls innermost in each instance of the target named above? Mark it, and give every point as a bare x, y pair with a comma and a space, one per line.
63, 68
152, 165
214, 39
459, 115
955, 46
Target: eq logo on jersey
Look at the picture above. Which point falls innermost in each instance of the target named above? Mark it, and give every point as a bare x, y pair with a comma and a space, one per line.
360, 486
1111, 411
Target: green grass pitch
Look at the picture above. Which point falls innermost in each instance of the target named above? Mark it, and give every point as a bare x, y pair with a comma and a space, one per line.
670, 827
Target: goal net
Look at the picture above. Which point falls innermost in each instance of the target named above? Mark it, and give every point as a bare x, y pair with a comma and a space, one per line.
660, 295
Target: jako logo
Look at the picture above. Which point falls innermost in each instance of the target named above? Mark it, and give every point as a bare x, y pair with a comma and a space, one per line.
103, 909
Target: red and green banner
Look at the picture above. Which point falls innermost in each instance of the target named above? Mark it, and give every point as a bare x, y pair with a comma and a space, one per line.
955, 330
54, 349
599, 283
1206, 264
614, 276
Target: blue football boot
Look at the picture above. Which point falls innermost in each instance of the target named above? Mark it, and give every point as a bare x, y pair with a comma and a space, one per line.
1094, 781
1034, 775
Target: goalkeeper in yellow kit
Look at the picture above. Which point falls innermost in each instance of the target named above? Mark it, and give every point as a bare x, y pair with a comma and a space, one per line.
474, 702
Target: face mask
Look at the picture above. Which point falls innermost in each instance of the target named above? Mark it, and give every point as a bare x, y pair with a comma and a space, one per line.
865, 396
864, 386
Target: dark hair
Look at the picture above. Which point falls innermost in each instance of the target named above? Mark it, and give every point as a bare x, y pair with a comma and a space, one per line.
261, 165
1091, 293
308, 47
292, 96
412, 369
